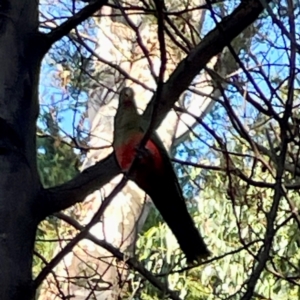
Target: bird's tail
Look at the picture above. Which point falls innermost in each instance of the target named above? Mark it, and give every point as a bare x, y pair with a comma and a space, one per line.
166, 194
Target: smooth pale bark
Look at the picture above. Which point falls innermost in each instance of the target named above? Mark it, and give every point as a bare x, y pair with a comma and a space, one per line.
119, 220
126, 215
22, 201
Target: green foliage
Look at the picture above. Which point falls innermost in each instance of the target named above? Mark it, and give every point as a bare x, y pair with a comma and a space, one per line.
233, 190
233, 214
57, 163
46, 238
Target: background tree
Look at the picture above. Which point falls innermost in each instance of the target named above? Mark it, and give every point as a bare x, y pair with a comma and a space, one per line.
243, 156
140, 58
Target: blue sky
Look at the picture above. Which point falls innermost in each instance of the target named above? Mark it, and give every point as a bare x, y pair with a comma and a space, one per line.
69, 103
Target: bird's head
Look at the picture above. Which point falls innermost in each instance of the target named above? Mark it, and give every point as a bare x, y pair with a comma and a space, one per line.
127, 97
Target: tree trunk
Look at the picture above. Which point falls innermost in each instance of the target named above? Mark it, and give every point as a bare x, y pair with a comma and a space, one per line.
19, 184
126, 215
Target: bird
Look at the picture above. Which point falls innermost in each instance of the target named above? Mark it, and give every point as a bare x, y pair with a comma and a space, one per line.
153, 172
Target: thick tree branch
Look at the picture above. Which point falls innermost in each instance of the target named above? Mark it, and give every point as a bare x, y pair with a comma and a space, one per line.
82, 234
213, 43
58, 198
75, 190
62, 30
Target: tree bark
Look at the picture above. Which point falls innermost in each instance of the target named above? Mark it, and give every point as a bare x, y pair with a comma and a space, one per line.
119, 220
19, 184
21, 50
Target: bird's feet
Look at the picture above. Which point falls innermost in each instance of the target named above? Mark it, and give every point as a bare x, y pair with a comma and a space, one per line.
142, 153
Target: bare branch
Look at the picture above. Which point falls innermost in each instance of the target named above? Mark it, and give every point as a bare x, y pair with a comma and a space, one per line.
76, 190
83, 233
132, 262
213, 43
61, 197
263, 256
62, 30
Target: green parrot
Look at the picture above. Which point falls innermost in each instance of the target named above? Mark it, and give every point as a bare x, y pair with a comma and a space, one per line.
153, 172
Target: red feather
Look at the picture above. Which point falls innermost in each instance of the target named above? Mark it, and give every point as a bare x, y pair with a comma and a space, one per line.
126, 153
